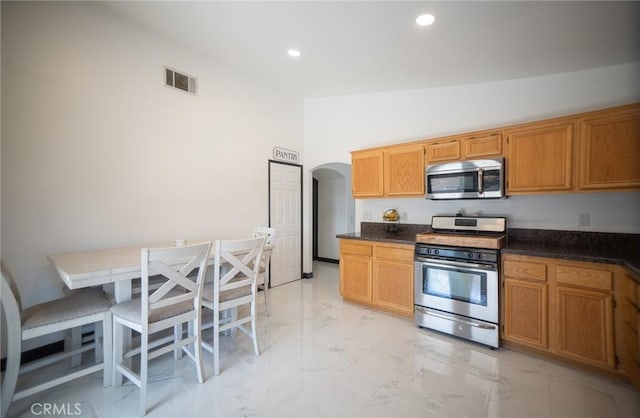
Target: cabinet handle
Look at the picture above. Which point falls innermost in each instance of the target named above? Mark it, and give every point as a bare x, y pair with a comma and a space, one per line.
460, 320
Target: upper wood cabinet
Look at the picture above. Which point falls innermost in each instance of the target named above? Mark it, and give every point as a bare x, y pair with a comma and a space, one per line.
482, 145
539, 158
609, 150
586, 152
443, 150
476, 145
391, 171
404, 171
366, 173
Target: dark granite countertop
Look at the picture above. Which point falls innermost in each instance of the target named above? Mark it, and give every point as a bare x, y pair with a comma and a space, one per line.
596, 247
376, 231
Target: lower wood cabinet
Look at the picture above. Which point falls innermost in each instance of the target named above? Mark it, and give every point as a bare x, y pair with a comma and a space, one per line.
560, 307
629, 327
379, 275
525, 305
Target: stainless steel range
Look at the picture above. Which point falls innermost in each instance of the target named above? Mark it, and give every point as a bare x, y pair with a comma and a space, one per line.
456, 277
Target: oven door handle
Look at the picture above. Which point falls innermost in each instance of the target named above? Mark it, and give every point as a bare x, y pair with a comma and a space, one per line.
449, 263
462, 321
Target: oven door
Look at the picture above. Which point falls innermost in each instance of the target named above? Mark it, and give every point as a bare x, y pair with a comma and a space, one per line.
469, 289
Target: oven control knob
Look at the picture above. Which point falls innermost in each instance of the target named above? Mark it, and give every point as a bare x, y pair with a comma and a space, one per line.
479, 256
470, 255
436, 251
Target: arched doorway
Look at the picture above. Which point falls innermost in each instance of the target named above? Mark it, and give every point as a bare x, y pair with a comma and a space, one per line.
333, 209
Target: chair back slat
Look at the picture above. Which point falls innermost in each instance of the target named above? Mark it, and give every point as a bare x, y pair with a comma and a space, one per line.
13, 329
12, 284
241, 257
174, 264
268, 232
176, 279
240, 265
10, 305
172, 300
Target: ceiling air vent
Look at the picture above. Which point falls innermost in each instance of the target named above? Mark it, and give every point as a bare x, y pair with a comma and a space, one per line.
179, 81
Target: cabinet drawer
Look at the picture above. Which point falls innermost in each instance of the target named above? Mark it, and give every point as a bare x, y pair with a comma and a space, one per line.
354, 248
394, 253
583, 277
525, 270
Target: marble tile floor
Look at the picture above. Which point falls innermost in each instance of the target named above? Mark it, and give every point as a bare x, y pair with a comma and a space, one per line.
321, 357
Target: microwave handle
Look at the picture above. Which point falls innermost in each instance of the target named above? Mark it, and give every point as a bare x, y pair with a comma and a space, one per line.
480, 181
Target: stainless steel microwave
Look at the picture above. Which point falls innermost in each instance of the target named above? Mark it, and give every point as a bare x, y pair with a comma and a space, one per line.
473, 179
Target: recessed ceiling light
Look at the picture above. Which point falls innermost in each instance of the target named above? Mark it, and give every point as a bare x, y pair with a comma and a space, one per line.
294, 53
425, 20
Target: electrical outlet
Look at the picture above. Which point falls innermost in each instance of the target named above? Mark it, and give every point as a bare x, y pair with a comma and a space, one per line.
366, 215
584, 219
404, 216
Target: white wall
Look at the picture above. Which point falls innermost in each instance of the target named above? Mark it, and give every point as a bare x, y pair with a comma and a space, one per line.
337, 125
97, 153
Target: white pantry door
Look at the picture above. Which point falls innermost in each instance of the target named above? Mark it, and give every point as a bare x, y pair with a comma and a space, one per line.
285, 214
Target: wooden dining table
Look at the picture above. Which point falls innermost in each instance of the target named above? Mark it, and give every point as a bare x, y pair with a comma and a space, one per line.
117, 266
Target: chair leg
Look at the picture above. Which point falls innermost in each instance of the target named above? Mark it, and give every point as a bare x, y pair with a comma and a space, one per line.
267, 300
73, 341
177, 336
14, 346
197, 347
254, 335
107, 347
216, 343
144, 360
118, 355
98, 339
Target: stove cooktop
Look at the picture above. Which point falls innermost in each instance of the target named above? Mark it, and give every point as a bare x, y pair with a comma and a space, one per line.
466, 231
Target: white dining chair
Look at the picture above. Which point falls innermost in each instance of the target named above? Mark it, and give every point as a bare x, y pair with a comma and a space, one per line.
67, 313
176, 302
265, 267
236, 267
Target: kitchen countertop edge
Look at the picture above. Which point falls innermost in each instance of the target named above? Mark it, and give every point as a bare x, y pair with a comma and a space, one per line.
390, 238
575, 254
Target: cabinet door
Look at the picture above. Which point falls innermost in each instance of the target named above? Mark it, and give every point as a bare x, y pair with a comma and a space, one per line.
355, 277
366, 174
539, 158
393, 279
393, 286
525, 312
443, 150
404, 171
609, 147
585, 326
629, 325
487, 145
